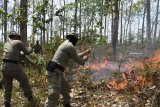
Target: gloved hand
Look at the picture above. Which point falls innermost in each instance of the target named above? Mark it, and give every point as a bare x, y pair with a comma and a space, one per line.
88, 51
86, 57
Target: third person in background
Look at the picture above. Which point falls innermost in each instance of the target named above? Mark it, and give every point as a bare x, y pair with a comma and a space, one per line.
37, 48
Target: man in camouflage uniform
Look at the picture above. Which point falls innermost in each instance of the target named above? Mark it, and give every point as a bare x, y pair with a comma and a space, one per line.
23, 60
57, 83
11, 69
37, 48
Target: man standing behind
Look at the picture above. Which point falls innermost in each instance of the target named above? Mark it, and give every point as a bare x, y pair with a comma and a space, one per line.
57, 83
37, 48
11, 69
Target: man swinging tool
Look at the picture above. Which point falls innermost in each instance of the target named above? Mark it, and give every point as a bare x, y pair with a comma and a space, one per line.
57, 83
12, 69
23, 60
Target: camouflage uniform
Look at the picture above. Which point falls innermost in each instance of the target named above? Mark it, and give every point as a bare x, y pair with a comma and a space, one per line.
57, 82
37, 48
12, 69
23, 60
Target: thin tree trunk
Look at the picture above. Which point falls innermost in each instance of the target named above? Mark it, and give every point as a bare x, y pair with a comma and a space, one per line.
129, 19
121, 34
43, 21
64, 12
80, 18
33, 28
47, 33
75, 16
124, 31
148, 23
138, 31
101, 19
23, 23
105, 26
156, 21
142, 35
12, 20
115, 28
2, 28
5, 20
51, 32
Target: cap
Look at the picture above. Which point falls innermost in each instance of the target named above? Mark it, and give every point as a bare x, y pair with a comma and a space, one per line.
73, 35
13, 34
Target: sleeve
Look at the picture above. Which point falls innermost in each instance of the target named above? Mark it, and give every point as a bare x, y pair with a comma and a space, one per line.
24, 49
73, 55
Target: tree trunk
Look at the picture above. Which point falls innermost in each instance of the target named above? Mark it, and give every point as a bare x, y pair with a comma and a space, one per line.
13, 17
43, 21
64, 12
156, 21
115, 28
142, 35
5, 20
2, 28
47, 33
121, 34
101, 19
129, 20
80, 18
51, 32
33, 28
75, 16
105, 26
23, 22
148, 23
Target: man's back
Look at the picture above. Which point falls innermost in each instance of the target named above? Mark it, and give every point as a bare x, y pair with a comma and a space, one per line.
12, 50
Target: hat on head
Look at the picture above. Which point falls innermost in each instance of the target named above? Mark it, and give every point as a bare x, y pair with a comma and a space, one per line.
14, 34
72, 35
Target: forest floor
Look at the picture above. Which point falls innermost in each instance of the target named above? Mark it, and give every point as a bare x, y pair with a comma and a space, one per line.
124, 83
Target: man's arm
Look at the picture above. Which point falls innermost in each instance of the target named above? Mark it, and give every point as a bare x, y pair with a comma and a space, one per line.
88, 51
28, 61
73, 54
24, 49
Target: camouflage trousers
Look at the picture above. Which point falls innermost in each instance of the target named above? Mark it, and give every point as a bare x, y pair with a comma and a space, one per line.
12, 71
57, 84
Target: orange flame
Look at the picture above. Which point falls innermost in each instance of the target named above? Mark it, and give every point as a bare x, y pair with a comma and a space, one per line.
97, 65
140, 80
118, 84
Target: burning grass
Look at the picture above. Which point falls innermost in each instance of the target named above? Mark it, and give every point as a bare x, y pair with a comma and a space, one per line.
139, 83
135, 86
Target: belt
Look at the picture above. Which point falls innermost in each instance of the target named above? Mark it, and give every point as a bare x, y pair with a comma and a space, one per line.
60, 67
10, 61
51, 66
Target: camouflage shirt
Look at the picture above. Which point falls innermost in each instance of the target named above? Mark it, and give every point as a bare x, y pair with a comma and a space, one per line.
12, 50
37, 48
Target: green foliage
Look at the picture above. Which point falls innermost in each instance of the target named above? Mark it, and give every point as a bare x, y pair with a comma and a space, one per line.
40, 10
2, 11
52, 47
138, 7
131, 38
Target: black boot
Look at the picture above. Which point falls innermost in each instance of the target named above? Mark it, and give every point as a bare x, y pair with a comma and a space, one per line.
67, 105
7, 104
